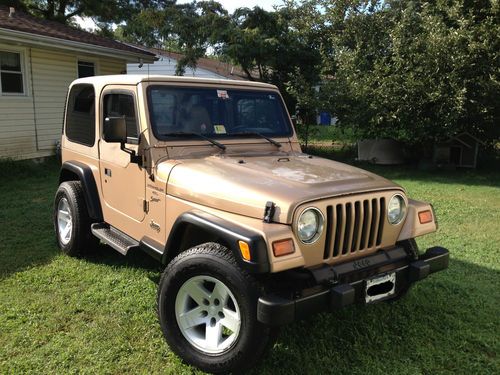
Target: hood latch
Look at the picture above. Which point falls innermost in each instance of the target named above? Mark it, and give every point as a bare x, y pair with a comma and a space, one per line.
269, 211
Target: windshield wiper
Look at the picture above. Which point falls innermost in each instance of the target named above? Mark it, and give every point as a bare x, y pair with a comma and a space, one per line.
181, 134
270, 140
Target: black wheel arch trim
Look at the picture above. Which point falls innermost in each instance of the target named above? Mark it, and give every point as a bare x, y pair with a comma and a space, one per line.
228, 231
86, 177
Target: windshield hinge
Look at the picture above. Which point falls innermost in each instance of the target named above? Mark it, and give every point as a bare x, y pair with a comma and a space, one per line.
269, 211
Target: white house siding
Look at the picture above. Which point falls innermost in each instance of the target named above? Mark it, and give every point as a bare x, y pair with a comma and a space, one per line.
166, 65
30, 125
52, 73
17, 133
108, 66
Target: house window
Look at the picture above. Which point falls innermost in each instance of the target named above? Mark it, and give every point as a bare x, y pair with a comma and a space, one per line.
86, 69
80, 115
11, 73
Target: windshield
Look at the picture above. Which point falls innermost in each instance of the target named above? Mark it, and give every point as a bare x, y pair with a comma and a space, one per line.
216, 113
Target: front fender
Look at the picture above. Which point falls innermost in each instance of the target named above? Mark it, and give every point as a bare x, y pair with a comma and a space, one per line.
412, 227
229, 232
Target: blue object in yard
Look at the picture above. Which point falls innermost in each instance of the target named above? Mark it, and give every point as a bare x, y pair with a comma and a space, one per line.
325, 118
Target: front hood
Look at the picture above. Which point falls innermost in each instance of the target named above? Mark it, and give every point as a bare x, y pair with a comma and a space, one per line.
243, 184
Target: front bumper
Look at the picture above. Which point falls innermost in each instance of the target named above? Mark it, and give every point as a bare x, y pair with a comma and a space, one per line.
348, 284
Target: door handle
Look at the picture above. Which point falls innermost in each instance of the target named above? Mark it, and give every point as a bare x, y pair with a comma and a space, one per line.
107, 172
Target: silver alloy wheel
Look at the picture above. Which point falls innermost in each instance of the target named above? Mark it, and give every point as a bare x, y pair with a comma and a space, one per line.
207, 314
64, 221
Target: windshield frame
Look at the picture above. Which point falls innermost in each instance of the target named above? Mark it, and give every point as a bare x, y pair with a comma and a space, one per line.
221, 137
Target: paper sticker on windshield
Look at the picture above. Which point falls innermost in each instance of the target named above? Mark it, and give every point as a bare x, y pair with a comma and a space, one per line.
219, 129
272, 97
222, 94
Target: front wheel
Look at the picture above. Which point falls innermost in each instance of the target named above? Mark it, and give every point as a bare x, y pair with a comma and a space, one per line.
207, 307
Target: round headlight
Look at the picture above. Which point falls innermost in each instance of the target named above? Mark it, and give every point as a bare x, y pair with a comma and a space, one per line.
310, 225
396, 209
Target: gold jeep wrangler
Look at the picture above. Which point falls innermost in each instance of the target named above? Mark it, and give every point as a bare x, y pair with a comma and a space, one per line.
208, 177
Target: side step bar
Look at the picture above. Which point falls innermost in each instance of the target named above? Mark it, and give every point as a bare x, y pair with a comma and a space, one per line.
114, 237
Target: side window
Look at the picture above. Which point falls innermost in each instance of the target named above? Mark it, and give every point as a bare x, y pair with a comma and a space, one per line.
80, 115
122, 105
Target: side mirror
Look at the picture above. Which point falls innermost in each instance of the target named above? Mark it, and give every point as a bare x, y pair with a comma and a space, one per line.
115, 130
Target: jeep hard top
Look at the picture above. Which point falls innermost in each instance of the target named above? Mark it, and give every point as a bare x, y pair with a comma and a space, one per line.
208, 177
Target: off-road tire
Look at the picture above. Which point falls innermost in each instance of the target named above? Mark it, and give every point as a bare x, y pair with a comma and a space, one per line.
214, 260
81, 238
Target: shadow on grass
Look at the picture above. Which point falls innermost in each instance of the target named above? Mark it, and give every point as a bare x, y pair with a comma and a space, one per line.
27, 255
447, 323
104, 254
27, 189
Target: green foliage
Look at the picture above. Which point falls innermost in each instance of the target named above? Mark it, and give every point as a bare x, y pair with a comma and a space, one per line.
417, 71
271, 47
267, 45
190, 28
106, 15
103, 12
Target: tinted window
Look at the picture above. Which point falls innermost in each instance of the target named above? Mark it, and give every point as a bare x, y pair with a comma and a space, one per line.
122, 105
216, 112
80, 115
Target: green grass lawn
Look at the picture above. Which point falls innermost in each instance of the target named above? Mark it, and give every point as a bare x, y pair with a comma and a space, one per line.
97, 314
327, 134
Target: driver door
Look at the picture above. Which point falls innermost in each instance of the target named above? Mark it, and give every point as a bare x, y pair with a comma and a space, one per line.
122, 182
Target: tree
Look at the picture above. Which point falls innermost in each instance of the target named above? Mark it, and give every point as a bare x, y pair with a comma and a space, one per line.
64, 11
418, 71
189, 28
270, 47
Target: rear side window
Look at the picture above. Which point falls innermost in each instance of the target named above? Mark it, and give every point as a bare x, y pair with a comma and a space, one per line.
122, 105
80, 115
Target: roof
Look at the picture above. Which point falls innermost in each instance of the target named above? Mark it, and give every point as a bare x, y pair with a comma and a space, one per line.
134, 79
215, 66
459, 138
25, 23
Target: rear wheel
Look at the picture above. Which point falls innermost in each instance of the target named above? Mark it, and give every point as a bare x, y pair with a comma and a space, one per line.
71, 219
207, 307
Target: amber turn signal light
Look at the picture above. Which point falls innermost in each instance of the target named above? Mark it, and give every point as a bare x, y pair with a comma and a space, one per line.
244, 250
425, 216
283, 247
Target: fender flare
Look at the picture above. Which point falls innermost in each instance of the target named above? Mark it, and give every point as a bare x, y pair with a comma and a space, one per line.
229, 232
86, 177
